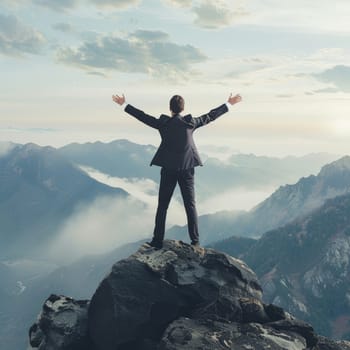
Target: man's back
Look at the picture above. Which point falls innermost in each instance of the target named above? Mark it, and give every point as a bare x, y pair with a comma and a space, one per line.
177, 149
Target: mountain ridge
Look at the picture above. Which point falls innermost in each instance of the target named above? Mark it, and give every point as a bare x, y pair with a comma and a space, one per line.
39, 190
286, 204
304, 266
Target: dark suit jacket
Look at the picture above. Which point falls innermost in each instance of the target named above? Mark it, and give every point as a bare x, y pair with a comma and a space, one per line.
177, 149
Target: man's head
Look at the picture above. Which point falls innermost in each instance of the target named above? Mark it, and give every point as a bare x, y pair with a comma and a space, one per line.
177, 104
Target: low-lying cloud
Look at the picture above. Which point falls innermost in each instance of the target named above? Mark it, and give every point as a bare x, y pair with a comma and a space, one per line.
101, 226
107, 222
17, 38
5, 148
145, 190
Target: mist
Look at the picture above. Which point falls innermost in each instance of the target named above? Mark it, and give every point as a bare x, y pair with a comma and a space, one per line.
107, 223
5, 148
101, 226
234, 199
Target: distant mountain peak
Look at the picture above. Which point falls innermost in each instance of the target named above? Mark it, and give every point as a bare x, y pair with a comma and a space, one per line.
336, 166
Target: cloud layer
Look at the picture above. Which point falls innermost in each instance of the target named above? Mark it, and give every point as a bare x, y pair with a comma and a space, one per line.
338, 76
16, 38
63, 5
143, 51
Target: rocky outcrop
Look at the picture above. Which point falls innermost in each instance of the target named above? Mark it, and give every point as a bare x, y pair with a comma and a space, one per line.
179, 297
62, 324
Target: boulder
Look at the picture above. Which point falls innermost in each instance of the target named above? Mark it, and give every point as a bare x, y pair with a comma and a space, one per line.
152, 288
61, 325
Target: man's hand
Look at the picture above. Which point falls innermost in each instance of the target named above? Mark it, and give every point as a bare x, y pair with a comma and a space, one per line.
119, 99
234, 99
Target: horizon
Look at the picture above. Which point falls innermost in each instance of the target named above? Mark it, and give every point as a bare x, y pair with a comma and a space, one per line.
212, 151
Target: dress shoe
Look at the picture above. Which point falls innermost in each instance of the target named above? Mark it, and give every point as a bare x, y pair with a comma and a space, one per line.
155, 244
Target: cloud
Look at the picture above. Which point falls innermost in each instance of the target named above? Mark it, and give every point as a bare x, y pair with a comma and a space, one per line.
57, 5
243, 200
35, 130
338, 76
150, 35
14, 3
284, 95
115, 3
144, 190
64, 5
17, 39
101, 226
63, 27
148, 52
181, 3
5, 148
326, 90
215, 14
97, 74
107, 222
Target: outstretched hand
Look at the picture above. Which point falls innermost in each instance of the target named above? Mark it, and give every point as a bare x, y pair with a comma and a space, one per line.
234, 99
119, 99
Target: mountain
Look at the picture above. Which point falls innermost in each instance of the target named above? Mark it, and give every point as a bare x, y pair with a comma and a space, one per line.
283, 206
305, 267
257, 172
179, 297
122, 158
39, 190
292, 201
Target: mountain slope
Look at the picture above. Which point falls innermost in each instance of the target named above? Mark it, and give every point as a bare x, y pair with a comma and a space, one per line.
305, 267
38, 190
120, 158
283, 206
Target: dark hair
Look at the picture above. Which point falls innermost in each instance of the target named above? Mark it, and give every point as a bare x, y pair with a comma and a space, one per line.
177, 104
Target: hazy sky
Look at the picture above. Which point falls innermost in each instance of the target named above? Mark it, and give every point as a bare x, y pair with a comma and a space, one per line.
61, 60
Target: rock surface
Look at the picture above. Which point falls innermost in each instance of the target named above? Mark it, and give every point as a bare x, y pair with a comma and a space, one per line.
62, 324
179, 297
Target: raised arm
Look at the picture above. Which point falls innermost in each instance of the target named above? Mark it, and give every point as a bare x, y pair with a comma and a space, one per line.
138, 114
216, 112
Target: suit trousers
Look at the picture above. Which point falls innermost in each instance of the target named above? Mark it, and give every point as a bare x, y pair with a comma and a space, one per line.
168, 180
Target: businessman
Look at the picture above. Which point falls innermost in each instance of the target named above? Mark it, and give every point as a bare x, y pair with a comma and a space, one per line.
177, 156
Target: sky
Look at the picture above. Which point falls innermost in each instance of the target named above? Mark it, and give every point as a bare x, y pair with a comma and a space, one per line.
61, 61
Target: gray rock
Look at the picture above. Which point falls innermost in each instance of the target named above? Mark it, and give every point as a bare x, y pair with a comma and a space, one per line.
61, 325
328, 344
189, 334
179, 297
152, 288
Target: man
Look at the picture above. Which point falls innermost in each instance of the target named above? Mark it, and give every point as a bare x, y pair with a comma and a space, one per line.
177, 156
